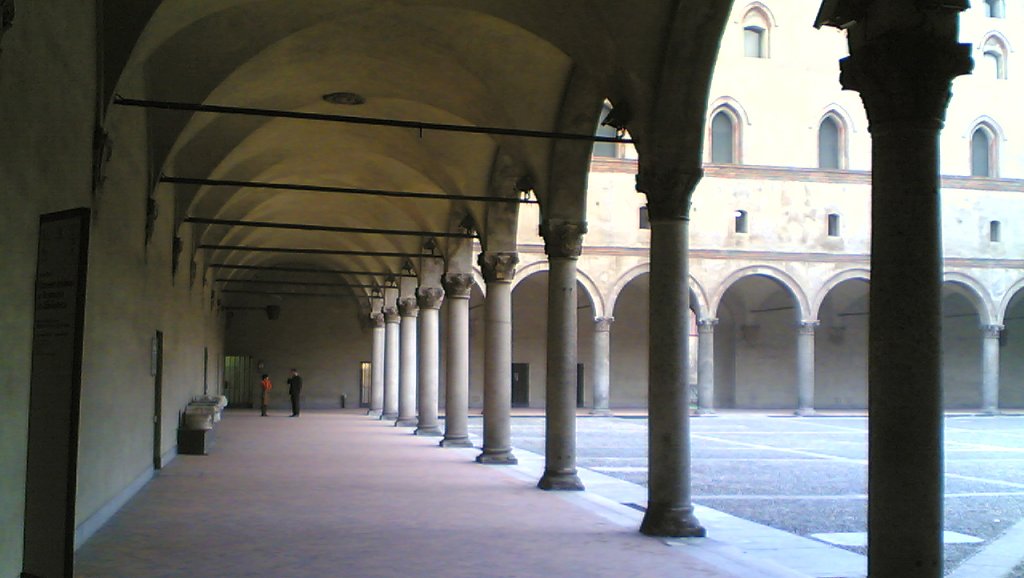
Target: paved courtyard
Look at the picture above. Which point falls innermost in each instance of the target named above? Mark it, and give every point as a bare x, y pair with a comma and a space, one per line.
808, 476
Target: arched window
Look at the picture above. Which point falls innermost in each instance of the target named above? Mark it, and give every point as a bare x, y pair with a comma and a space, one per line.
995, 9
983, 152
755, 33
605, 149
830, 149
993, 61
723, 138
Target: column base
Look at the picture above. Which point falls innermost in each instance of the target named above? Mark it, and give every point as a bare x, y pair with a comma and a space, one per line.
388, 416
374, 412
406, 422
560, 481
990, 411
430, 430
456, 442
705, 411
604, 412
672, 522
804, 412
497, 458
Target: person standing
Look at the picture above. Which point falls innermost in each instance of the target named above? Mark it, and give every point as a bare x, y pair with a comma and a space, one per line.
267, 386
294, 390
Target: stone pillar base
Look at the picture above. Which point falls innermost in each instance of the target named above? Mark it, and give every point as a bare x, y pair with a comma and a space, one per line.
431, 430
462, 442
388, 416
705, 411
560, 481
601, 412
663, 520
406, 422
374, 412
497, 457
804, 412
990, 411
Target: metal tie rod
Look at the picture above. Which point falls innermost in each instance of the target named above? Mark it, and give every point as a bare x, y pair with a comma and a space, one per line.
340, 190
300, 283
309, 251
284, 293
303, 227
414, 124
302, 270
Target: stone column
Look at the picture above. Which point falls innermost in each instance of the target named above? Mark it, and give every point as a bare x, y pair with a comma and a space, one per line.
990, 369
407, 365
563, 243
498, 270
669, 504
429, 300
391, 362
904, 80
805, 367
602, 365
458, 287
377, 366
706, 366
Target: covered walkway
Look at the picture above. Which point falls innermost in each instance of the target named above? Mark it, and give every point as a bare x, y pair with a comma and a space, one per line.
341, 494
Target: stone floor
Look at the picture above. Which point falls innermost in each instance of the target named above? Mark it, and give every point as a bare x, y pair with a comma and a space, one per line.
336, 493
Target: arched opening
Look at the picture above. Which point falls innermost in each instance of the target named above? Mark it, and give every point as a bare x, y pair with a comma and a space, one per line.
995, 9
1011, 354
993, 61
830, 153
961, 349
841, 347
983, 152
755, 345
723, 138
756, 33
529, 341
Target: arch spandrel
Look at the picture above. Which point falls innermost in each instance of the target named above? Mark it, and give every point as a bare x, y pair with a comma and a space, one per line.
1016, 289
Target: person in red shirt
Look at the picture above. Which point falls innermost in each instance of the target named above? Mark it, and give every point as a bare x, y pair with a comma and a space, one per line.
265, 382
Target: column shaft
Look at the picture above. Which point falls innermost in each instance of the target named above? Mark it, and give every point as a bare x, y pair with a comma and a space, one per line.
706, 366
407, 365
497, 368
377, 368
669, 507
560, 414
456, 407
602, 366
391, 361
429, 360
805, 368
990, 369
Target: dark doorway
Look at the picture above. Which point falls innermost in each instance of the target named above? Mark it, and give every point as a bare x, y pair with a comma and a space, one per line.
580, 385
365, 382
520, 385
157, 370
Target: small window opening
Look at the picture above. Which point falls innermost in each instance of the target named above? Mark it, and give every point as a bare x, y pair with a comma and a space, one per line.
741, 221
833, 225
754, 42
994, 232
645, 218
995, 9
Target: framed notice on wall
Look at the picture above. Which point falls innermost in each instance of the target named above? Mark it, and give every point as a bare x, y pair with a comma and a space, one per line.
55, 390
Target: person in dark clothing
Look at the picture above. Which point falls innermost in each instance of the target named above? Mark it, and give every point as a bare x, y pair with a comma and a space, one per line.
294, 390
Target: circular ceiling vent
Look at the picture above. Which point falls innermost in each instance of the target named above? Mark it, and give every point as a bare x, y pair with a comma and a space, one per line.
346, 98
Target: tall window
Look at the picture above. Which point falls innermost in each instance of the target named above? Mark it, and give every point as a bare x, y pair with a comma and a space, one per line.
755, 33
740, 218
983, 152
605, 149
723, 138
830, 151
993, 61
833, 224
995, 9
994, 235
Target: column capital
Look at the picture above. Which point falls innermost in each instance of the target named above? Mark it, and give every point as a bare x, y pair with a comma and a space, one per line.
707, 325
498, 266
458, 285
429, 297
603, 324
407, 307
992, 331
563, 239
905, 76
377, 319
668, 191
391, 315
807, 327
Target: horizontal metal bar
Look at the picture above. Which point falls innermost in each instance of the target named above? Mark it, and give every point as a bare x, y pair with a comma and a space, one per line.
326, 228
340, 190
302, 283
343, 118
309, 251
297, 294
301, 270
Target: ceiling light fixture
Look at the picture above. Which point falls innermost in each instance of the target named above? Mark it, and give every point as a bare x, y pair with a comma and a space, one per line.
344, 98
